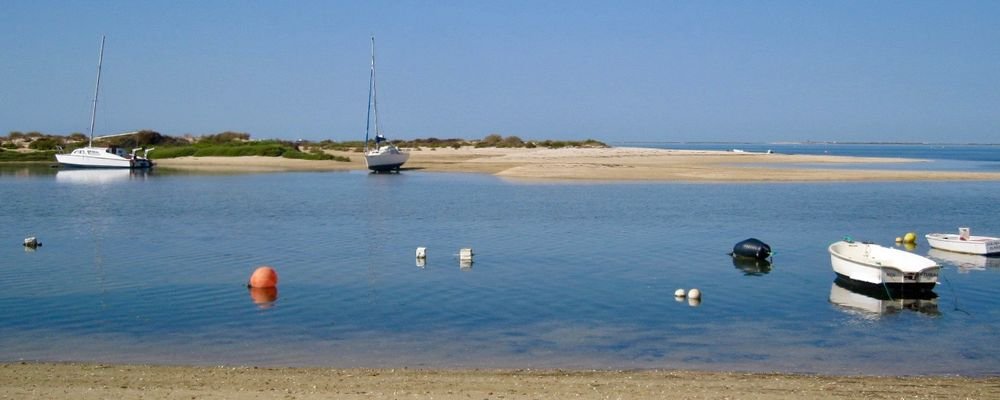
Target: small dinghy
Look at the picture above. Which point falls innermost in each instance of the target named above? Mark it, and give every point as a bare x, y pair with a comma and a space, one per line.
877, 265
964, 242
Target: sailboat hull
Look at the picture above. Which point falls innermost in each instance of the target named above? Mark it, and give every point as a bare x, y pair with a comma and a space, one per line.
93, 157
385, 162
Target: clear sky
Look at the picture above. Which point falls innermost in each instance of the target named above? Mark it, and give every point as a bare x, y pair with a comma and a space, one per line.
615, 71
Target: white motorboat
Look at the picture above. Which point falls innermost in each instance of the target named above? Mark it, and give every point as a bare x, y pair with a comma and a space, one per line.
964, 242
384, 156
104, 157
877, 265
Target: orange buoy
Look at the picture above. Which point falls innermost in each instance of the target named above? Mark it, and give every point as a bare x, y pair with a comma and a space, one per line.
263, 277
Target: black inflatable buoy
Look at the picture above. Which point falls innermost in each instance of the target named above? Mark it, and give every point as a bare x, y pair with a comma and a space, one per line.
752, 248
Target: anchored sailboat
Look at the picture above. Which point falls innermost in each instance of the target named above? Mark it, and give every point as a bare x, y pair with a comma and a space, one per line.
384, 156
104, 157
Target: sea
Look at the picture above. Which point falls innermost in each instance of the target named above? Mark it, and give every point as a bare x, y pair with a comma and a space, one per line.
151, 268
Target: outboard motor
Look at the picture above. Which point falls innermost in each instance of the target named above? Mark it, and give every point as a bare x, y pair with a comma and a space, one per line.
752, 248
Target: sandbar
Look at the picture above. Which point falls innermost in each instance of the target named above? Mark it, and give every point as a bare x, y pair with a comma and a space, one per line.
608, 164
123, 381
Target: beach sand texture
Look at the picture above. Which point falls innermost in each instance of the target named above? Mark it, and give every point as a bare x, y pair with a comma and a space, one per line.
604, 164
95, 381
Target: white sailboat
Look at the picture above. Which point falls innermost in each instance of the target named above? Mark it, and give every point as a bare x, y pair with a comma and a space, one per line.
384, 156
104, 157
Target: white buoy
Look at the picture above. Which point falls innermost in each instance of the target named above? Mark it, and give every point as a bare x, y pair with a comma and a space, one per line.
465, 254
679, 293
694, 294
421, 252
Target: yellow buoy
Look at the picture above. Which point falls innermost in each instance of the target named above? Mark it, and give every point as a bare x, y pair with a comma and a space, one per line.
909, 237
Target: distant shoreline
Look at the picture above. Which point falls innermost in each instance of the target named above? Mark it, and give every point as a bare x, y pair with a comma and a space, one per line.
627, 142
604, 164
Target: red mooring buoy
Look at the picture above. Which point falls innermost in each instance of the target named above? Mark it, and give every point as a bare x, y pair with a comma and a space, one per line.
263, 277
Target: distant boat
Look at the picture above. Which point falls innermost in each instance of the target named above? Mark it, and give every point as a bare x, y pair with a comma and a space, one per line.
384, 156
104, 157
963, 242
872, 264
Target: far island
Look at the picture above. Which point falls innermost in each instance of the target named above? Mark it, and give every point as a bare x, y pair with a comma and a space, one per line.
507, 157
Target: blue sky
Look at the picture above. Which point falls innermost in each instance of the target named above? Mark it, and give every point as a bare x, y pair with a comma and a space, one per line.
754, 71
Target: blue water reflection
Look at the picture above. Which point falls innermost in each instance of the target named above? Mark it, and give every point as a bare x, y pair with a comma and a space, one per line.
153, 269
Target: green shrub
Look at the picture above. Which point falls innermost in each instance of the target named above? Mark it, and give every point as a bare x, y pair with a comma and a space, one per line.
45, 143
225, 137
28, 156
173, 152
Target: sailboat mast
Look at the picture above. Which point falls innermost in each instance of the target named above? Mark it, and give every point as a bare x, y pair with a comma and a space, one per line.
375, 96
97, 90
371, 84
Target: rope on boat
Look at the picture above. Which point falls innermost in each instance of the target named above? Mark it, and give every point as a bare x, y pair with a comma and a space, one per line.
887, 291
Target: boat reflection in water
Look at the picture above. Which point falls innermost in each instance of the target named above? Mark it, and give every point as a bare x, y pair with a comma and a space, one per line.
100, 176
264, 298
964, 262
872, 301
752, 266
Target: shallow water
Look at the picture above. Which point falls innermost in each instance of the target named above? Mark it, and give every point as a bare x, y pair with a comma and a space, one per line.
933, 157
152, 268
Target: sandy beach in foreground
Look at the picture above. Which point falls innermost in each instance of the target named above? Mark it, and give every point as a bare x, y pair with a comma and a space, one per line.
608, 164
100, 381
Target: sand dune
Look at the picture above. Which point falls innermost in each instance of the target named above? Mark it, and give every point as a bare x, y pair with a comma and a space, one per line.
608, 164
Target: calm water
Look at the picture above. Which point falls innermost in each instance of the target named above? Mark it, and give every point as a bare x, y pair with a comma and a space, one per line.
945, 157
152, 268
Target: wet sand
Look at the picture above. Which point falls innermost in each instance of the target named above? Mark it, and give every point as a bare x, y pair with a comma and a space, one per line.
100, 381
610, 164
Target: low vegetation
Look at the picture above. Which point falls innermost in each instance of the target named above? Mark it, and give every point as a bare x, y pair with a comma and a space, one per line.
26, 156
36, 146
